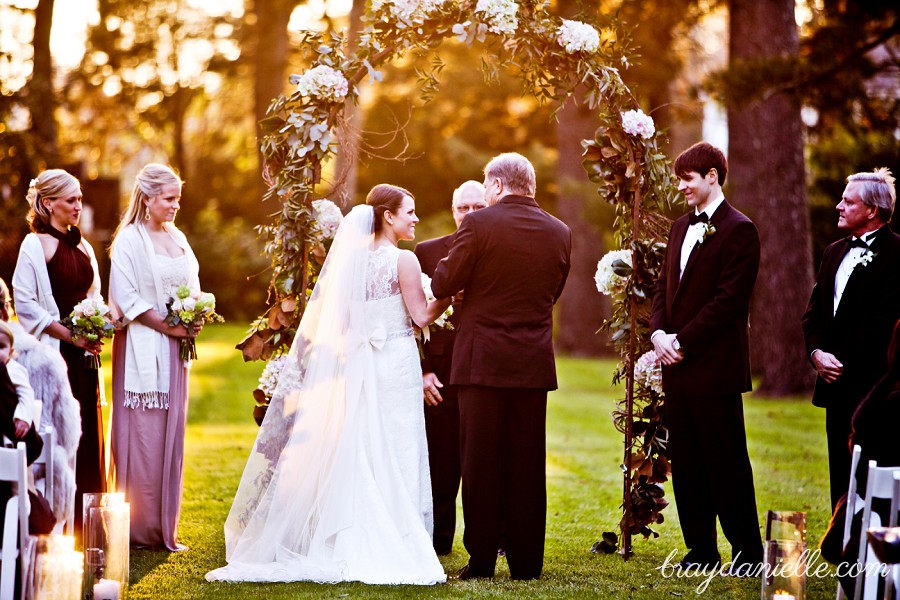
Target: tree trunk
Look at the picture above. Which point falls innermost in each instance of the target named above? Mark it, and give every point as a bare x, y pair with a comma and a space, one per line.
346, 165
582, 309
41, 98
766, 179
270, 51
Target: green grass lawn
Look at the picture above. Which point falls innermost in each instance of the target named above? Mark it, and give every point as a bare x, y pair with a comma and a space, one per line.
787, 448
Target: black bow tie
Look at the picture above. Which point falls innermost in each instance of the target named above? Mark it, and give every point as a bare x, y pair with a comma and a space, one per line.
859, 243
694, 218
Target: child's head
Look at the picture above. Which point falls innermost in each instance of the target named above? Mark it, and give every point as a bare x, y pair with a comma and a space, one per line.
6, 343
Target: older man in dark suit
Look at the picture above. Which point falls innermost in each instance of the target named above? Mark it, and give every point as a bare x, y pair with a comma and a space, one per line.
852, 310
700, 325
512, 259
441, 405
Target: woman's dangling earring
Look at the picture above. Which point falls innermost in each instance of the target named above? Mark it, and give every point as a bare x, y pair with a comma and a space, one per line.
146, 213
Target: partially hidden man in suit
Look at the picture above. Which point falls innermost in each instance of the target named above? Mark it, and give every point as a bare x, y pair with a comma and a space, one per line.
441, 405
512, 260
700, 324
851, 312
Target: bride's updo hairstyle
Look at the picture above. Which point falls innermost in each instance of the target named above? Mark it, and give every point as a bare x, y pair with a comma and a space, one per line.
49, 185
385, 198
148, 184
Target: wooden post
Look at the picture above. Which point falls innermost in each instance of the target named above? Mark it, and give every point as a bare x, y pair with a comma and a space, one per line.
626, 549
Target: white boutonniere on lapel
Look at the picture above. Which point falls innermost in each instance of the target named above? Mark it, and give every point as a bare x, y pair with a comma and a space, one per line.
865, 259
709, 230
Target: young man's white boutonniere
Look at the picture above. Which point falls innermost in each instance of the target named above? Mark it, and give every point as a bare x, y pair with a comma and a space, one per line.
709, 230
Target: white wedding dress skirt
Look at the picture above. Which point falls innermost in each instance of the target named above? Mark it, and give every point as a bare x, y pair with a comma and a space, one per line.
350, 498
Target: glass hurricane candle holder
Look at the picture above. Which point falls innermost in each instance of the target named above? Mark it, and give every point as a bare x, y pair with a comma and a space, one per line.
107, 524
57, 571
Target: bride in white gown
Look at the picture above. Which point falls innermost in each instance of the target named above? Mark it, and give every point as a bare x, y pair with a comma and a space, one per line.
337, 486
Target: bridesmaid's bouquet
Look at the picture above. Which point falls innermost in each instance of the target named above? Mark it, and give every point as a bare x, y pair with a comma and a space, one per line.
90, 320
188, 306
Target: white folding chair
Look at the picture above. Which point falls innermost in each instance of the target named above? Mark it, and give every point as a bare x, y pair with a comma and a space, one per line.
880, 484
854, 505
13, 468
893, 574
44, 484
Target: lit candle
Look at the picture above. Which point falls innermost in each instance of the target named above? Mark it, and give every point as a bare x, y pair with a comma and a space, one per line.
106, 589
780, 595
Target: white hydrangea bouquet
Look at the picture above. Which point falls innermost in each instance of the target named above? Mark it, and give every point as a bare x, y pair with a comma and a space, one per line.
328, 218
648, 372
189, 306
268, 380
90, 320
613, 272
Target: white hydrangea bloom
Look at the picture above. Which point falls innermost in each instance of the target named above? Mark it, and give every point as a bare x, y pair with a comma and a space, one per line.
410, 11
576, 36
270, 375
323, 82
648, 372
608, 282
500, 15
635, 122
328, 218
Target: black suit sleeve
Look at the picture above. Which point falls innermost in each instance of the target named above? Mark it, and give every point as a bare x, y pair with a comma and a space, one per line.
565, 274
452, 274
812, 318
734, 288
658, 311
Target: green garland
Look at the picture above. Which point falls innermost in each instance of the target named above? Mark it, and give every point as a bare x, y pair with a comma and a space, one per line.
553, 57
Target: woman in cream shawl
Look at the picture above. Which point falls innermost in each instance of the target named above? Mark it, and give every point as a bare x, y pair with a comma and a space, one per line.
150, 258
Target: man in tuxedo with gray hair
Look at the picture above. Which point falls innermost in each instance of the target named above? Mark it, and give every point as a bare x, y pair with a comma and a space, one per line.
851, 312
512, 260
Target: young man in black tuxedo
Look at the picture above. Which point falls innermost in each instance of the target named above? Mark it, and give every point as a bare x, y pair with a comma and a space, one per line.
441, 405
852, 310
700, 324
512, 260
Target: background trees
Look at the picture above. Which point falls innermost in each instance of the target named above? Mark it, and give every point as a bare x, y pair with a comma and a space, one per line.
185, 81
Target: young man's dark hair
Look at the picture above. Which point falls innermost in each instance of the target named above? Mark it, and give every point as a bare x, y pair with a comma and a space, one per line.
701, 157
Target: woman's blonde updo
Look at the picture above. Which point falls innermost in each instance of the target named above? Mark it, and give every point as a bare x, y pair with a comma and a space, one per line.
49, 185
148, 184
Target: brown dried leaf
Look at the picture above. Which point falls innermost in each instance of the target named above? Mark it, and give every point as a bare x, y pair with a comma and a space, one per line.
275, 318
289, 305
252, 346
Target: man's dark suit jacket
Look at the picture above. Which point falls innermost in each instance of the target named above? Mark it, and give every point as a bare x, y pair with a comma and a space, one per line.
859, 333
512, 259
709, 307
439, 350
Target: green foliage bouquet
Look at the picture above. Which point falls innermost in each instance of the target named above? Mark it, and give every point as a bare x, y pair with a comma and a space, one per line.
189, 307
90, 320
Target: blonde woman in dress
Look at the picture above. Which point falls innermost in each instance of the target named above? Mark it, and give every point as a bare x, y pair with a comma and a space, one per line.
150, 258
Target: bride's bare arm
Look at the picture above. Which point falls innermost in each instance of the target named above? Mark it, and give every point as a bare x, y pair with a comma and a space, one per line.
409, 273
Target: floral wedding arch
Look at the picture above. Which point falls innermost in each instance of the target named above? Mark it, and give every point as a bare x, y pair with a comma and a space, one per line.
553, 56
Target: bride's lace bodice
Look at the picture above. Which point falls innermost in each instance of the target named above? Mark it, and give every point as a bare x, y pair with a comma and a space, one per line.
381, 275
384, 302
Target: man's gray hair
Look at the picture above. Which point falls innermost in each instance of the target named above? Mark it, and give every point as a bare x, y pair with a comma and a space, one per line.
877, 189
515, 171
470, 186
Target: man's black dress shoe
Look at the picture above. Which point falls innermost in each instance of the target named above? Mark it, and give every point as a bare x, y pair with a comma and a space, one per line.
468, 572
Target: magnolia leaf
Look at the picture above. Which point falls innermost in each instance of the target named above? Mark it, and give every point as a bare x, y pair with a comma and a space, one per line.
252, 346
274, 318
289, 305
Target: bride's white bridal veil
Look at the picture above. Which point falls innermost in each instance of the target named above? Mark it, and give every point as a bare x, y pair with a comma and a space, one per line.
301, 434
